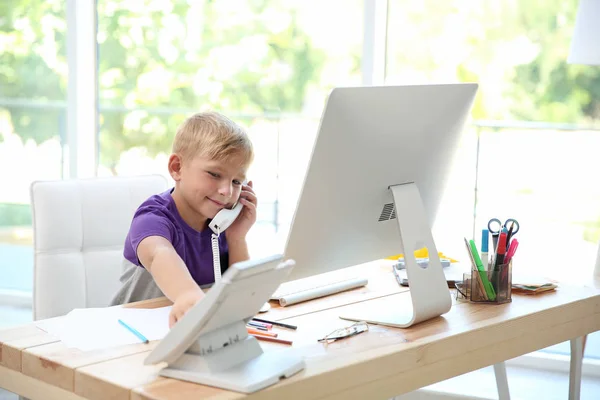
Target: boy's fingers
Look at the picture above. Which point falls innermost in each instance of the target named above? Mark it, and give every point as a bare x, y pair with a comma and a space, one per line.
249, 196
178, 316
248, 203
249, 210
175, 316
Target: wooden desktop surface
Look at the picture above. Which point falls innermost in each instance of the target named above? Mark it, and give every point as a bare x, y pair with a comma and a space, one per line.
380, 363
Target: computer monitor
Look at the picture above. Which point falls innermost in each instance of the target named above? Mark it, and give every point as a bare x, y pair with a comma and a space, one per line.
371, 140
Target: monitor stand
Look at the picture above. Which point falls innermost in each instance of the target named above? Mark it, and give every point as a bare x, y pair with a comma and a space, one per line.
429, 292
231, 359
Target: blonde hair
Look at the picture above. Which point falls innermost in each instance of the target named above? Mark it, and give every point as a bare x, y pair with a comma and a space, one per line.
213, 135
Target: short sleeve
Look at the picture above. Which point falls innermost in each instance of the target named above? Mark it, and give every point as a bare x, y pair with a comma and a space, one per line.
150, 224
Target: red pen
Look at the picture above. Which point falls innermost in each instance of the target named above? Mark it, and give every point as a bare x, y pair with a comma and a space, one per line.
512, 250
498, 260
500, 251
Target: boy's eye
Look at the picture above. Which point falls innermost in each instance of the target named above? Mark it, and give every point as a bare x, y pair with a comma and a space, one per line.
236, 182
213, 174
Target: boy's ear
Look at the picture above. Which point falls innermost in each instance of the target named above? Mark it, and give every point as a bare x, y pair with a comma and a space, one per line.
175, 167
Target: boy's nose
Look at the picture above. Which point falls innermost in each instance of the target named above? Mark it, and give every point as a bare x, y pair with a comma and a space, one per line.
226, 190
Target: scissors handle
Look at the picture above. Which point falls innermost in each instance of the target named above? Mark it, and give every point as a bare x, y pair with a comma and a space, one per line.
514, 228
514, 223
491, 223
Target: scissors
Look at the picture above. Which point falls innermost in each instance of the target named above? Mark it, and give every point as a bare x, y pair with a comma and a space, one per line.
495, 227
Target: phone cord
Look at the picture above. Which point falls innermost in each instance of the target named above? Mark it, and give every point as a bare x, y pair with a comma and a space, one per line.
216, 256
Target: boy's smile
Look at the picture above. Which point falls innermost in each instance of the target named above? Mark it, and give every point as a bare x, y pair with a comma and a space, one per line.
217, 203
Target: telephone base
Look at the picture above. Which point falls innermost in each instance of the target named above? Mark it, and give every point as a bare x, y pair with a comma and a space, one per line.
262, 369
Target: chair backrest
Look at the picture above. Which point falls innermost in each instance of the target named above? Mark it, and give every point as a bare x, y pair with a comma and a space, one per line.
79, 230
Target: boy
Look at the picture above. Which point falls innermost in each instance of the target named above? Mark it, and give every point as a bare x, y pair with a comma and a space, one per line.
168, 248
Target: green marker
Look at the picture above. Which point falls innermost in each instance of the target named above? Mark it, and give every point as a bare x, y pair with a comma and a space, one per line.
487, 285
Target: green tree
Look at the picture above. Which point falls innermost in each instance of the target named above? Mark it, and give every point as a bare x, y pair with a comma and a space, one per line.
543, 86
550, 89
33, 65
516, 50
172, 55
161, 58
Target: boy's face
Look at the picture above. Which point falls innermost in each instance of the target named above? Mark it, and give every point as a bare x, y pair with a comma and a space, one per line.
209, 185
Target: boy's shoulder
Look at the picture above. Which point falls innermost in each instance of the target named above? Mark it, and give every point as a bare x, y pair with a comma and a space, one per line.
161, 199
161, 202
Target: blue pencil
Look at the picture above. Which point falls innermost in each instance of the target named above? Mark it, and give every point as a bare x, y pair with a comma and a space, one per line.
135, 332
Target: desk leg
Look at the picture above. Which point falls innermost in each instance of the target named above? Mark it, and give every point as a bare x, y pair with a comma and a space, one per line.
501, 381
576, 363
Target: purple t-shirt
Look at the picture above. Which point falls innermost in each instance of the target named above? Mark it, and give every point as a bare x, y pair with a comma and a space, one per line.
158, 216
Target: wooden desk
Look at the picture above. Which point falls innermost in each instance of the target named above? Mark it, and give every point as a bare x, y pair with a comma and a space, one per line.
380, 363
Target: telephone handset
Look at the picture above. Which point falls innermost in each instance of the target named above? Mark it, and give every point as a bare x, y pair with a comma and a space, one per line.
224, 218
218, 224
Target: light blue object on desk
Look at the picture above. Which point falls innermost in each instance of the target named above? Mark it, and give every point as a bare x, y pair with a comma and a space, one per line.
485, 244
135, 332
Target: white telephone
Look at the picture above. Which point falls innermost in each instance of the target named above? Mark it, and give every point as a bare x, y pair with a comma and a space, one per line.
224, 218
218, 224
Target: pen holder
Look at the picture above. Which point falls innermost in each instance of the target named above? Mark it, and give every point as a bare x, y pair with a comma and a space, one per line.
490, 286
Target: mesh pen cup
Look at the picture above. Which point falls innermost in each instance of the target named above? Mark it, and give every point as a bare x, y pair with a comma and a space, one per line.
493, 285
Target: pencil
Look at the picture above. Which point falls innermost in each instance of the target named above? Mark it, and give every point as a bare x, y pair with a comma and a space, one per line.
135, 332
253, 331
272, 339
276, 323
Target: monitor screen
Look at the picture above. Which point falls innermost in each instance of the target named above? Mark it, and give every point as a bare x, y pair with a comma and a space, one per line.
371, 138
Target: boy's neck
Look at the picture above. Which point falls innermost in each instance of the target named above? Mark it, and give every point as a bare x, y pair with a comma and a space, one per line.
187, 213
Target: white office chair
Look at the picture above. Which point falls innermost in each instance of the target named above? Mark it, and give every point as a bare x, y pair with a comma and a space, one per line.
79, 230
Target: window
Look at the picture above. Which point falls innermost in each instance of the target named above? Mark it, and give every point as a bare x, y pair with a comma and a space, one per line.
267, 65
33, 77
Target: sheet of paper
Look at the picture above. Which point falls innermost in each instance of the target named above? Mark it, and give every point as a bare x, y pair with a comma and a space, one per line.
97, 328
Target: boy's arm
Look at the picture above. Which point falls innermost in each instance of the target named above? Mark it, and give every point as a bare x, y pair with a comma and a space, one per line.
170, 274
238, 251
169, 271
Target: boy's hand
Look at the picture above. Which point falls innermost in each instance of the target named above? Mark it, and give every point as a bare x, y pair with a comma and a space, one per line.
240, 227
183, 303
